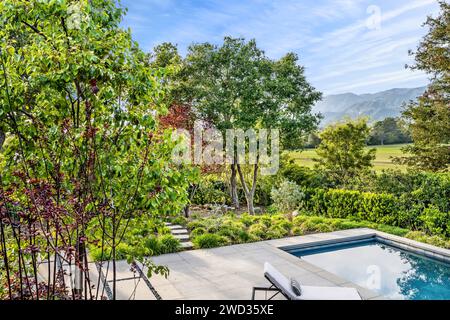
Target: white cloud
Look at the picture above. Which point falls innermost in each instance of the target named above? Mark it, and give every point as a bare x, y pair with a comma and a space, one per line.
330, 36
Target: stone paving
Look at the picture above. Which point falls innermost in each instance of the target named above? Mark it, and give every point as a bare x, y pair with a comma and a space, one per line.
231, 272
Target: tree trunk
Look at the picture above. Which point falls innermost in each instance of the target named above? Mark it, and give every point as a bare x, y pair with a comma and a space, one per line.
249, 193
250, 207
2, 139
233, 187
186, 211
192, 190
79, 268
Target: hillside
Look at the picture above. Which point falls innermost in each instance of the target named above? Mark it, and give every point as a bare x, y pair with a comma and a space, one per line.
376, 106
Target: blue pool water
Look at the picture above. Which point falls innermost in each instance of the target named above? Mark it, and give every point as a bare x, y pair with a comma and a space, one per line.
392, 272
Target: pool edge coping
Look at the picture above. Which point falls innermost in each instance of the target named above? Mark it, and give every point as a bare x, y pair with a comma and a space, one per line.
417, 247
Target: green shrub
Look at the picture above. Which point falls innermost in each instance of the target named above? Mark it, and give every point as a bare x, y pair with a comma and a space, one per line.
123, 250
436, 222
343, 224
196, 224
265, 219
276, 232
198, 231
210, 192
282, 222
248, 220
287, 197
298, 231
179, 220
302, 176
96, 254
433, 240
272, 209
230, 232
409, 211
314, 226
338, 203
245, 236
258, 230
427, 188
209, 240
169, 244
298, 220
262, 192
232, 229
163, 230
307, 224
392, 230
153, 245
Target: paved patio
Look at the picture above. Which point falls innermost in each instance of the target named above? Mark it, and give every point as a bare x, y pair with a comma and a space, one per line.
231, 272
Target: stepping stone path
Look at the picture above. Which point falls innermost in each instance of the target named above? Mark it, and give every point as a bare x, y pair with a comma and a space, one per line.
180, 233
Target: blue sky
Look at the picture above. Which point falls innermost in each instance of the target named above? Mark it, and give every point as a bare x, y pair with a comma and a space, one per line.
358, 46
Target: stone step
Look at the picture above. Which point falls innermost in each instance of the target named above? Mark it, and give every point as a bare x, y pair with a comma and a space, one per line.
179, 231
175, 227
182, 237
187, 245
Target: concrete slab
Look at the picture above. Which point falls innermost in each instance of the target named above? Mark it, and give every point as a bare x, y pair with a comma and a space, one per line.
231, 272
188, 245
134, 289
123, 271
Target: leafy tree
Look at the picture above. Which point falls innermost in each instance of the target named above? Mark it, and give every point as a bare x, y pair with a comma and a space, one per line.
313, 140
342, 150
429, 118
165, 55
78, 103
388, 131
236, 86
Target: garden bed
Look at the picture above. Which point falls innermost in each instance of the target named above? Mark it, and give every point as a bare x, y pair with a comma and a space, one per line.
227, 229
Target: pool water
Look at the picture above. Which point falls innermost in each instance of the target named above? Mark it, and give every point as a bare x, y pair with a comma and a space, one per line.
392, 272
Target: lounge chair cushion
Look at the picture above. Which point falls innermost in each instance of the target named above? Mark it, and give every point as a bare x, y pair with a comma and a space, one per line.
296, 287
279, 280
329, 293
308, 292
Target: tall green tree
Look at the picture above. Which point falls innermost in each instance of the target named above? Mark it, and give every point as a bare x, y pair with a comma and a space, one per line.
342, 152
78, 103
235, 86
388, 131
429, 118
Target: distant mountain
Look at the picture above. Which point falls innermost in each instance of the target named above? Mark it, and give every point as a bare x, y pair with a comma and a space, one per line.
376, 106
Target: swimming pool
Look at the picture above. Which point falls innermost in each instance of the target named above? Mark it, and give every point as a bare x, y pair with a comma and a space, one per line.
392, 272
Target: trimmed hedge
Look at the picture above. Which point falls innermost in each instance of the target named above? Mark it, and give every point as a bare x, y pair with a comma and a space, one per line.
383, 208
337, 203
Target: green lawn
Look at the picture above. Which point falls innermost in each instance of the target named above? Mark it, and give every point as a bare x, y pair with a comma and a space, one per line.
382, 161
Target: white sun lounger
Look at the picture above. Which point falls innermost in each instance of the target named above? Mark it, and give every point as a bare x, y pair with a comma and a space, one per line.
281, 284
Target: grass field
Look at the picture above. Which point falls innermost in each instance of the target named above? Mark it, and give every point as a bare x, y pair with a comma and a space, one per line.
382, 161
